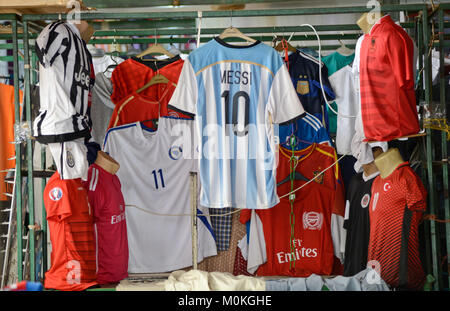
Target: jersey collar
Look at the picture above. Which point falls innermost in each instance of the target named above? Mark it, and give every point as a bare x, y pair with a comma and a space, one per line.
384, 19
222, 42
299, 154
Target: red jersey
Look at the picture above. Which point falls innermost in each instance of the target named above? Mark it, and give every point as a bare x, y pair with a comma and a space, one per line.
106, 199
396, 208
388, 101
70, 221
312, 246
137, 107
133, 73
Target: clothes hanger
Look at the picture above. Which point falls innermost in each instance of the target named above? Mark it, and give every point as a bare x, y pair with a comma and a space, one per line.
155, 49
233, 32
343, 50
158, 78
297, 176
115, 51
279, 47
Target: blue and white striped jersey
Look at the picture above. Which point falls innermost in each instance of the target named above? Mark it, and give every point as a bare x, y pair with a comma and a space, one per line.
236, 93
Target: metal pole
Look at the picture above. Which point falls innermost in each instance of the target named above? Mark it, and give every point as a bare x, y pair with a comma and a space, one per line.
29, 151
18, 152
429, 150
216, 14
444, 134
193, 177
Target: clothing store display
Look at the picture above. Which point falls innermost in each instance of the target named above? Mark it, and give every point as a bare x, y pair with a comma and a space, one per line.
228, 163
231, 90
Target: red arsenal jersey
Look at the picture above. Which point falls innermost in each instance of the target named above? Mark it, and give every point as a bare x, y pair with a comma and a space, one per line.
396, 208
311, 248
106, 199
388, 102
70, 221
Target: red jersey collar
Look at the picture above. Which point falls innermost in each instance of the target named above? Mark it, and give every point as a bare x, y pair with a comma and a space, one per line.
384, 19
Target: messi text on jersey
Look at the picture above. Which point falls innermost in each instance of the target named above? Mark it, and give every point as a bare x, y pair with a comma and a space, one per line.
236, 77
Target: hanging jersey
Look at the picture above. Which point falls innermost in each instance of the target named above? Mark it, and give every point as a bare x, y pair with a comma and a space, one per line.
106, 199
348, 105
66, 77
7, 119
137, 107
306, 130
70, 221
313, 209
357, 223
396, 208
304, 72
134, 73
155, 176
236, 92
388, 100
334, 62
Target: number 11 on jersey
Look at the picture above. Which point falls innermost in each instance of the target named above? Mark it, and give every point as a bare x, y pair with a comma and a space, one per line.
155, 176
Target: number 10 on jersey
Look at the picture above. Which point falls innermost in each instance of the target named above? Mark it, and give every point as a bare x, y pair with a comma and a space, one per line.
233, 104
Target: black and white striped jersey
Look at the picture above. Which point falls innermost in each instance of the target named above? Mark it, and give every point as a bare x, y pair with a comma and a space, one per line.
66, 76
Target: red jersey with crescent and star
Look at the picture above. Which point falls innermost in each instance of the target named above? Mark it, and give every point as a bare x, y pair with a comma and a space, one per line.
313, 206
396, 207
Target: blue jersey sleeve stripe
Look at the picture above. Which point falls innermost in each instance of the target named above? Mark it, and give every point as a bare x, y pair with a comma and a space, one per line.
115, 129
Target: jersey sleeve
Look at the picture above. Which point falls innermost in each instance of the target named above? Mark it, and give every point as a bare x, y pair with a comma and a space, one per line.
400, 57
184, 98
415, 193
51, 42
284, 104
327, 87
57, 201
95, 194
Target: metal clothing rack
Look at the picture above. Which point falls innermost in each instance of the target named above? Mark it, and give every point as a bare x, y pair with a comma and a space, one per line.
24, 151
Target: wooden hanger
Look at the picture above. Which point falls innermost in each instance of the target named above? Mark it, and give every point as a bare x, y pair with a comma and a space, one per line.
279, 47
155, 49
233, 32
158, 78
343, 50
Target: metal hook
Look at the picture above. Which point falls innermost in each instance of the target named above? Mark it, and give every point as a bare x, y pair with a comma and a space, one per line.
231, 19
